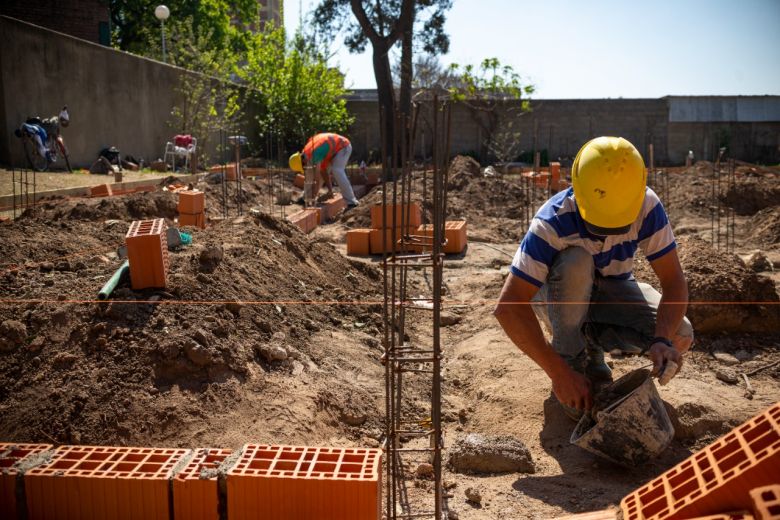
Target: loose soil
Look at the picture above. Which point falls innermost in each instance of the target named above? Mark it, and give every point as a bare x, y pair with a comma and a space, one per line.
268, 335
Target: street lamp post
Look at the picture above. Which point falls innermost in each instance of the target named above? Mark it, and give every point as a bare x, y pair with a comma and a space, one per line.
162, 13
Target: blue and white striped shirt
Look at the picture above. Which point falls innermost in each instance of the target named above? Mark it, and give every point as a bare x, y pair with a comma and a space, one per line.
558, 225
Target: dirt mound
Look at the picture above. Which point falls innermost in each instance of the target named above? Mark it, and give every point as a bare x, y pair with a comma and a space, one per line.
764, 227
147, 364
750, 195
136, 206
462, 170
724, 295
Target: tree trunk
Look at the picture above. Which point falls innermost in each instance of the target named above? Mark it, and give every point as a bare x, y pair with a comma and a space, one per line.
386, 98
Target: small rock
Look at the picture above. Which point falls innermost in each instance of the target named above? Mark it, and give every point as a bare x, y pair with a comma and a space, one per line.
201, 336
297, 368
36, 345
101, 342
46, 267
210, 259
196, 353
726, 358
449, 484
64, 358
273, 353
234, 307
63, 265
424, 470
758, 262
479, 453
12, 334
726, 375
449, 318
203, 278
742, 355
352, 418
278, 336
473, 495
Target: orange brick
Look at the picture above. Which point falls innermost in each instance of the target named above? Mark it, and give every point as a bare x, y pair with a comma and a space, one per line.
373, 178
358, 242
376, 244
102, 482
726, 516
11, 456
305, 220
197, 220
555, 175
715, 479
195, 494
766, 501
299, 181
331, 207
285, 482
102, 190
412, 215
229, 169
147, 253
191, 202
454, 234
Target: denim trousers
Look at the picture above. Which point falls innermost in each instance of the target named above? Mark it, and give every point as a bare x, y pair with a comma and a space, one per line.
620, 313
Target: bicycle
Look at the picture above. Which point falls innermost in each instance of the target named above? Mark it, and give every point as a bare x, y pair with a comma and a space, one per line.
42, 141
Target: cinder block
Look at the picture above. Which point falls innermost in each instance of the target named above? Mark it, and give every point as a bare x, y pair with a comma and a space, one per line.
288, 482
299, 181
411, 215
766, 501
715, 479
377, 245
11, 456
195, 493
101, 190
191, 202
331, 207
147, 252
91, 482
359, 242
454, 234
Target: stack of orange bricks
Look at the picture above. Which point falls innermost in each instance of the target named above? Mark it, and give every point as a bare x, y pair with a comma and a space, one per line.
363, 241
261, 481
147, 253
192, 208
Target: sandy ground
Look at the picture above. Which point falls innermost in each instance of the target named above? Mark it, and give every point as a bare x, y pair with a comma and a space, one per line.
125, 373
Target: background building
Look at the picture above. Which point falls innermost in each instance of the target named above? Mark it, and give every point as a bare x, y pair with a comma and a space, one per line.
85, 19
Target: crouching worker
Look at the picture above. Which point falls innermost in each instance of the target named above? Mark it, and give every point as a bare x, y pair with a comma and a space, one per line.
331, 153
573, 271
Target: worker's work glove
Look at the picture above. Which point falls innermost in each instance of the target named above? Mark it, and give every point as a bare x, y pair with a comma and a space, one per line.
667, 361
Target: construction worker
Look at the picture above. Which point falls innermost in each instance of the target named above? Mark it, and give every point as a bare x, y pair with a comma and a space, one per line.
331, 153
573, 271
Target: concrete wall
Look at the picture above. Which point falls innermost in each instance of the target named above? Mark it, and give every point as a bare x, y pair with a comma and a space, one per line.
114, 98
561, 126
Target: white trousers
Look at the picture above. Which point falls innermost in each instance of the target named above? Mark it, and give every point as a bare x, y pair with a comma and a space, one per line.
338, 170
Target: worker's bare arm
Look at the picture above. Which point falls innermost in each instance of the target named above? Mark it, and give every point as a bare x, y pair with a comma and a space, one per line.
518, 320
671, 311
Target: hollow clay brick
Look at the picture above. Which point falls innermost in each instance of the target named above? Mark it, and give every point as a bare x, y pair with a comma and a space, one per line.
11, 456
337, 483
766, 501
103, 482
358, 242
147, 252
195, 494
715, 479
411, 213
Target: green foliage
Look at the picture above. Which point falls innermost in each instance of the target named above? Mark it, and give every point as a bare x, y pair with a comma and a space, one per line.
134, 25
297, 91
494, 94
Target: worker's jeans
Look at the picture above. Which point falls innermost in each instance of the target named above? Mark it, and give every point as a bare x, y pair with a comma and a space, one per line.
338, 169
623, 310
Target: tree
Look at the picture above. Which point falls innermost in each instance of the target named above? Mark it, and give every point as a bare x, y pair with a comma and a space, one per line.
493, 94
383, 24
134, 25
298, 93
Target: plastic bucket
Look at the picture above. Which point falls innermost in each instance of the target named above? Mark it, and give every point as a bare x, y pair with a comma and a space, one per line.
632, 427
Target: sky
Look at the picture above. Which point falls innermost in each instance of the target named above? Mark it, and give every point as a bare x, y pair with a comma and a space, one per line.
606, 48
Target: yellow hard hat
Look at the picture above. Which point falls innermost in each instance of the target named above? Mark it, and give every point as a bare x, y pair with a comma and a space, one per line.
609, 179
296, 163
